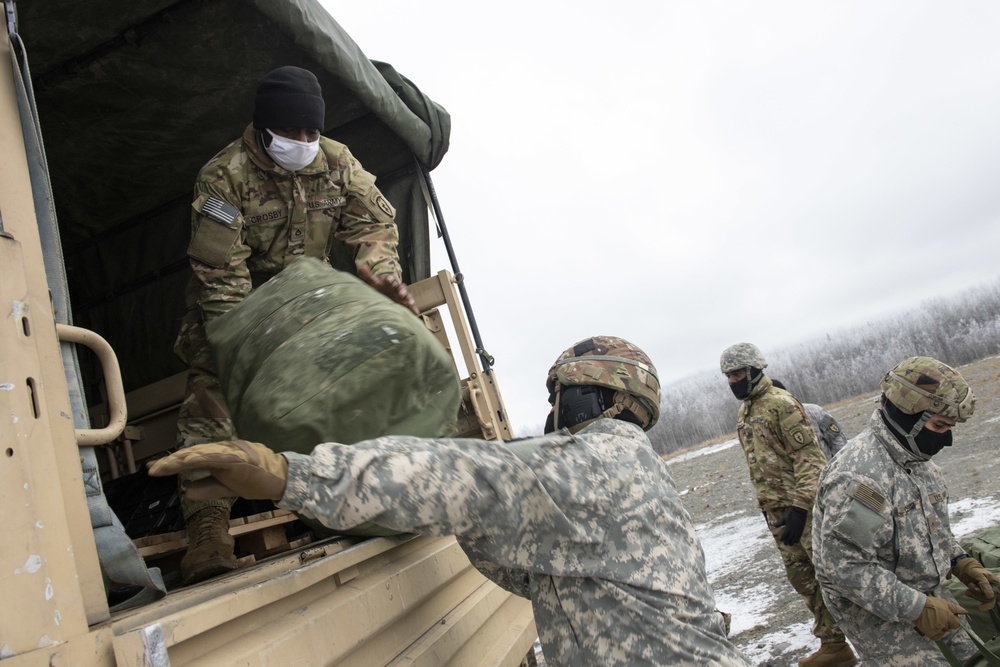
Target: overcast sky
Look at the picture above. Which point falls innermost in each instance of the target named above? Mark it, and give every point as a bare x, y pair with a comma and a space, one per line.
689, 175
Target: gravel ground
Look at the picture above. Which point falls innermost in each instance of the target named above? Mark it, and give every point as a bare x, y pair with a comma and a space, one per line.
770, 621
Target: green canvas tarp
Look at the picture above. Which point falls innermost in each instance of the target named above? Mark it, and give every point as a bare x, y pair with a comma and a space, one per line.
134, 97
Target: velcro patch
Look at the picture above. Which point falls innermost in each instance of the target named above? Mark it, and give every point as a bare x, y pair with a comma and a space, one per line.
220, 211
869, 497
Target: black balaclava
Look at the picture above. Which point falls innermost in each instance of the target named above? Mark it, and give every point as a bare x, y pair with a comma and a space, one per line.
289, 97
911, 432
743, 388
931, 442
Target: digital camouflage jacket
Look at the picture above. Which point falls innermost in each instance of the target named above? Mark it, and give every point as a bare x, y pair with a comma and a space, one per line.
828, 432
881, 533
588, 526
881, 542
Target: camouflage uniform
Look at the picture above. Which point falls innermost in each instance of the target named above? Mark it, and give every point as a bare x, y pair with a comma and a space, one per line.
831, 437
884, 542
588, 526
785, 462
250, 219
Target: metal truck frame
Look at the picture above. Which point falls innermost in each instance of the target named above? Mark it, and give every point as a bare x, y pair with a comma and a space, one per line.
340, 601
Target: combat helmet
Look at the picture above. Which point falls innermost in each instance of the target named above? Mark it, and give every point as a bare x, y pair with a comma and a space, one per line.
613, 363
923, 384
916, 390
741, 355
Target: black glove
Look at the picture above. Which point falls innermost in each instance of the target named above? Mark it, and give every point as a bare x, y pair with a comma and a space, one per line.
794, 522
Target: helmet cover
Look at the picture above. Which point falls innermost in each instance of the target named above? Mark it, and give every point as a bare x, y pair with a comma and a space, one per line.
923, 384
612, 362
741, 355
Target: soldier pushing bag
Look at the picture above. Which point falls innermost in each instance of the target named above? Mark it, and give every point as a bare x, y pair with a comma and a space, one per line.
585, 521
278, 193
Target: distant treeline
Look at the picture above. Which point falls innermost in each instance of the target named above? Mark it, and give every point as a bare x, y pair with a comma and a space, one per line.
957, 330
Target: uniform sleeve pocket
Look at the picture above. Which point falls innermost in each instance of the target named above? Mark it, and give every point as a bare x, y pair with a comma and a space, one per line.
362, 186
859, 524
216, 230
794, 425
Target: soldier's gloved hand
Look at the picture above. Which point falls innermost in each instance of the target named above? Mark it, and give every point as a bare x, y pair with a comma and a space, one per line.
938, 618
391, 287
794, 522
235, 468
979, 581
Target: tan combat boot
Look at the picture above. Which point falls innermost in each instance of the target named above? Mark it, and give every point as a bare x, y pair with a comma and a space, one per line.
832, 654
210, 546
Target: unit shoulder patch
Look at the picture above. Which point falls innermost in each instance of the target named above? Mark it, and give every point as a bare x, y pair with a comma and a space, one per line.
382, 203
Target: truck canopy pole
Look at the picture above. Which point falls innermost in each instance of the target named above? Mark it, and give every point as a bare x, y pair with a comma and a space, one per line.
485, 357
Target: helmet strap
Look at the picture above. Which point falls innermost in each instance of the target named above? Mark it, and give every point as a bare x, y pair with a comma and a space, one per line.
907, 438
622, 402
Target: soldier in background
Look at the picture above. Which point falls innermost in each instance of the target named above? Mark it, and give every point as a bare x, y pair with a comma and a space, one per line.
831, 437
278, 193
883, 541
584, 521
785, 460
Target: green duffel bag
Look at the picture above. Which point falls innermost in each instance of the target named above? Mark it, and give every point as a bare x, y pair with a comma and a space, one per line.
315, 355
984, 546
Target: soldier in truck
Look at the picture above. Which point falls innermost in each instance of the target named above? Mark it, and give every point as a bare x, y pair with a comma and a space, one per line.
584, 520
279, 192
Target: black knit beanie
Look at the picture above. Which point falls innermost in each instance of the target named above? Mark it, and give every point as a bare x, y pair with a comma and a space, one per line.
289, 97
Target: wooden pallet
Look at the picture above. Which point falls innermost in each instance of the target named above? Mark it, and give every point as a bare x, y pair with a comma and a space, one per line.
257, 536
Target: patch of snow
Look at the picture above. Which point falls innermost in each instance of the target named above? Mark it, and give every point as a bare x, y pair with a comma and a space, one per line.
971, 515
796, 640
704, 451
732, 545
748, 607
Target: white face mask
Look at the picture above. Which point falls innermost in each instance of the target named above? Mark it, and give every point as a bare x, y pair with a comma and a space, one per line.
291, 154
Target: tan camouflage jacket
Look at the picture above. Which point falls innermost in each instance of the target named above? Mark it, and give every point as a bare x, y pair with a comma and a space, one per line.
251, 218
881, 533
782, 452
589, 526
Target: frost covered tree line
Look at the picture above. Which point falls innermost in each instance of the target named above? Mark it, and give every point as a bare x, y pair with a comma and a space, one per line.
957, 330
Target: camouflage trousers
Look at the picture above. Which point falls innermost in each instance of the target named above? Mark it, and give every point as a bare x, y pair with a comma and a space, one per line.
797, 560
204, 415
896, 643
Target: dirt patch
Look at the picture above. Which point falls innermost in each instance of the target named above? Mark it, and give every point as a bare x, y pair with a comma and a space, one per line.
748, 576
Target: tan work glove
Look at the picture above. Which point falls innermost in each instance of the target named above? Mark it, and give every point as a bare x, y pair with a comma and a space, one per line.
235, 468
979, 581
938, 618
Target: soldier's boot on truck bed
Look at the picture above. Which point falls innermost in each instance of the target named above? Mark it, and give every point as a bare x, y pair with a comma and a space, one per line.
831, 654
210, 546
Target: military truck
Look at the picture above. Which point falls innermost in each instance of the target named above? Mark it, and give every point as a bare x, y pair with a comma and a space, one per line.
102, 137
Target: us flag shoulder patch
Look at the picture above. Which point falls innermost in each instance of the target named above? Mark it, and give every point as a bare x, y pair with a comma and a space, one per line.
219, 210
869, 497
